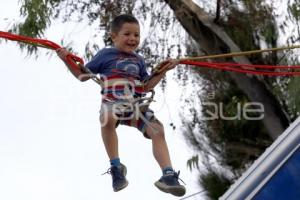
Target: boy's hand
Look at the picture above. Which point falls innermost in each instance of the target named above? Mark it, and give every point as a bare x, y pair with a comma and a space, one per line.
62, 53
73, 64
167, 65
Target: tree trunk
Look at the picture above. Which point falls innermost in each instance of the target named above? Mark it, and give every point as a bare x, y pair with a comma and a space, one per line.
212, 39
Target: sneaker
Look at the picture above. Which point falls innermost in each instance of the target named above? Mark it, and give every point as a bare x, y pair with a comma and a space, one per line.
118, 174
169, 183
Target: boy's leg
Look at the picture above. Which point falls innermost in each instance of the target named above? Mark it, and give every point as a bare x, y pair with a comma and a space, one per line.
110, 139
109, 135
169, 181
160, 149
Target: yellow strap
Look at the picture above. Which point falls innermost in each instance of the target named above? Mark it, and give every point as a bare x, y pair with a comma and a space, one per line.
243, 53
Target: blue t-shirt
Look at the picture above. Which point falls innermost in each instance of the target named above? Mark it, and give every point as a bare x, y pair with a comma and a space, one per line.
111, 61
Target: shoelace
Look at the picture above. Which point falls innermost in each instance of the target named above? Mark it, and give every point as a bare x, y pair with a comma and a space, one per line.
116, 174
176, 174
107, 172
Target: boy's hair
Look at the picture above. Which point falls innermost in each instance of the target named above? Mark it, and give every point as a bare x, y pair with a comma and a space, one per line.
118, 22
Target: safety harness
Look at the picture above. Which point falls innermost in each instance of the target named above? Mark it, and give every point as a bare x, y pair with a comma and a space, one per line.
116, 86
128, 91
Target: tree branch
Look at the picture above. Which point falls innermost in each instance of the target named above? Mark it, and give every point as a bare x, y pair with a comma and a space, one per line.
218, 11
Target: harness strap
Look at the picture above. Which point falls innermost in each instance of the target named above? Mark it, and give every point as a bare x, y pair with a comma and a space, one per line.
113, 85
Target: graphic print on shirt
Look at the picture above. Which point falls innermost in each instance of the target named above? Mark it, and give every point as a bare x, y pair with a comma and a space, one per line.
128, 66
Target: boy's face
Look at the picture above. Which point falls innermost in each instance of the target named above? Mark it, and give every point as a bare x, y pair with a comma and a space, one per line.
128, 38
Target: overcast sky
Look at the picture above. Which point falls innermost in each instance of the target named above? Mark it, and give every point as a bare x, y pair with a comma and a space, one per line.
50, 144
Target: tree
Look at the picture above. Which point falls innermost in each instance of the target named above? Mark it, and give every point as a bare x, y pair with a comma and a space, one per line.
243, 141
211, 28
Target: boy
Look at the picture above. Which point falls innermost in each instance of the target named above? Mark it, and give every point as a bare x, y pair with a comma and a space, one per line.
126, 79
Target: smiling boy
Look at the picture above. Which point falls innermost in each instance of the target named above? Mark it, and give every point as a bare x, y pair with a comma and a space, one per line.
125, 77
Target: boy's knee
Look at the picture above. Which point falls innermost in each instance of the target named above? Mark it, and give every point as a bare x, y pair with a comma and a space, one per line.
108, 120
155, 130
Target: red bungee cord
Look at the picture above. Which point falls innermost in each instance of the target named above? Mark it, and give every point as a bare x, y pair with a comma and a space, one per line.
75, 61
267, 70
71, 59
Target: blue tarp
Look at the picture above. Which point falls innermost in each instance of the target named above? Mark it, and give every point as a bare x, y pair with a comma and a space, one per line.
285, 183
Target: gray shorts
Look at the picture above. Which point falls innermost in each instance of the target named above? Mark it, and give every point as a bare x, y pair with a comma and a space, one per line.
130, 115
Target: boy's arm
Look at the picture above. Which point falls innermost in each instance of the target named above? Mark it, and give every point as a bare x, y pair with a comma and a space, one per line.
76, 71
155, 79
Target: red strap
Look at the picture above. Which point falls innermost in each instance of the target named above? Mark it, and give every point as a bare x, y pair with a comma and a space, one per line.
268, 70
71, 59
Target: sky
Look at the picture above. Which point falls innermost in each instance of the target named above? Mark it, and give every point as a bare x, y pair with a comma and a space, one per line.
50, 142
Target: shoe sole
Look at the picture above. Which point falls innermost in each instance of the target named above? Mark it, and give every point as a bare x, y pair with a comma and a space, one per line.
121, 188
174, 190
